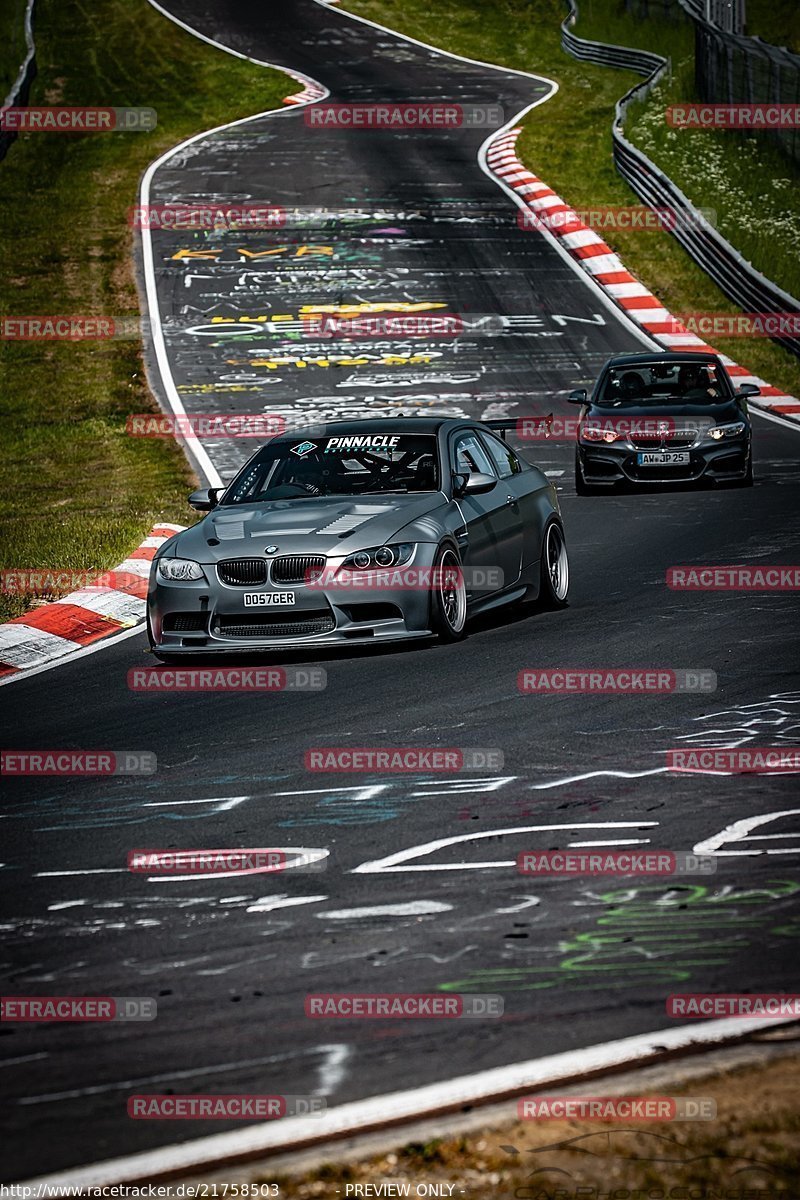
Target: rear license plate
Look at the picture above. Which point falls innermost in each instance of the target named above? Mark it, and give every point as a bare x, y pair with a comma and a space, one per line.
269, 599
664, 458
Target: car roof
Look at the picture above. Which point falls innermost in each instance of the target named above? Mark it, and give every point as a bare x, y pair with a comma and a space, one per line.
686, 356
399, 424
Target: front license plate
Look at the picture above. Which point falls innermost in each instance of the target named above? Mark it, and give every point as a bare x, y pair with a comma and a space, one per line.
269, 599
664, 458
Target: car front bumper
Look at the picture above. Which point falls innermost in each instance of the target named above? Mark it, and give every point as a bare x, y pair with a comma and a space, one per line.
609, 464
207, 617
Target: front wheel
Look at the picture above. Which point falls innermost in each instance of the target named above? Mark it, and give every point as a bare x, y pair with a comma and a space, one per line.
449, 596
554, 579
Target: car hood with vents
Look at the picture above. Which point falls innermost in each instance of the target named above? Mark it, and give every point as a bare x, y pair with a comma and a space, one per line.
330, 525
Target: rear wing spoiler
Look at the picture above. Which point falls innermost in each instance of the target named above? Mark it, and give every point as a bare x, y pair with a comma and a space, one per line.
503, 424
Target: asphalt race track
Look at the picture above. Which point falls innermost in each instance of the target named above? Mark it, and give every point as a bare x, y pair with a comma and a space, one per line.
398, 218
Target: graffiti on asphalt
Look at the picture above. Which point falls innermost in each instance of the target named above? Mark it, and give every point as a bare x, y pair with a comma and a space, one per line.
649, 935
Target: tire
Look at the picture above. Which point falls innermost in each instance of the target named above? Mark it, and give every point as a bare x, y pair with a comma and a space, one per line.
554, 568
448, 598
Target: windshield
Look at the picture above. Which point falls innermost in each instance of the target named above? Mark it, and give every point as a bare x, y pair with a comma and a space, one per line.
700, 382
345, 465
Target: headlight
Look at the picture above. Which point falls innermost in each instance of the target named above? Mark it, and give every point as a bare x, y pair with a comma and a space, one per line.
718, 432
171, 569
599, 433
380, 556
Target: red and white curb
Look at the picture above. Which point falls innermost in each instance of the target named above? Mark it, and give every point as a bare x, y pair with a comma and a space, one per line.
312, 91
49, 632
609, 272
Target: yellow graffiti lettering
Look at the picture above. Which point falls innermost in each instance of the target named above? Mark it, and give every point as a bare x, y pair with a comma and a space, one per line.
208, 255
344, 309
200, 389
309, 310
299, 252
318, 250
262, 253
233, 320
385, 360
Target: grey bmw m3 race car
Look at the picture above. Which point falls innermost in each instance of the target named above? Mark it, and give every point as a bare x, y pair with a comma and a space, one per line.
357, 532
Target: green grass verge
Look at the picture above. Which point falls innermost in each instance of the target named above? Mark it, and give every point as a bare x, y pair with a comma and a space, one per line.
608, 21
78, 491
776, 21
752, 187
758, 211
567, 140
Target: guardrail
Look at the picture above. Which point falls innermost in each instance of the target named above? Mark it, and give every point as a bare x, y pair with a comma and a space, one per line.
731, 68
21, 89
736, 277
606, 55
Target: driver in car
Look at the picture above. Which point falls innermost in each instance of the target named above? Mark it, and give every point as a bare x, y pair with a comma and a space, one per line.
306, 474
631, 385
695, 384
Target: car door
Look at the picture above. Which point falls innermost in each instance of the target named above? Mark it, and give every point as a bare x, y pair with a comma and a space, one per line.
524, 502
493, 534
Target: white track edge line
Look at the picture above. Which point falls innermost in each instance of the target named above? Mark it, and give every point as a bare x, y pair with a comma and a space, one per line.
400, 1107
298, 76
192, 444
778, 418
586, 278
649, 340
30, 47
406, 37
184, 1156
176, 404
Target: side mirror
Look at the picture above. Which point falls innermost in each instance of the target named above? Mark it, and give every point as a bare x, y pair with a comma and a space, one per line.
748, 389
205, 499
478, 483
578, 396
459, 484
